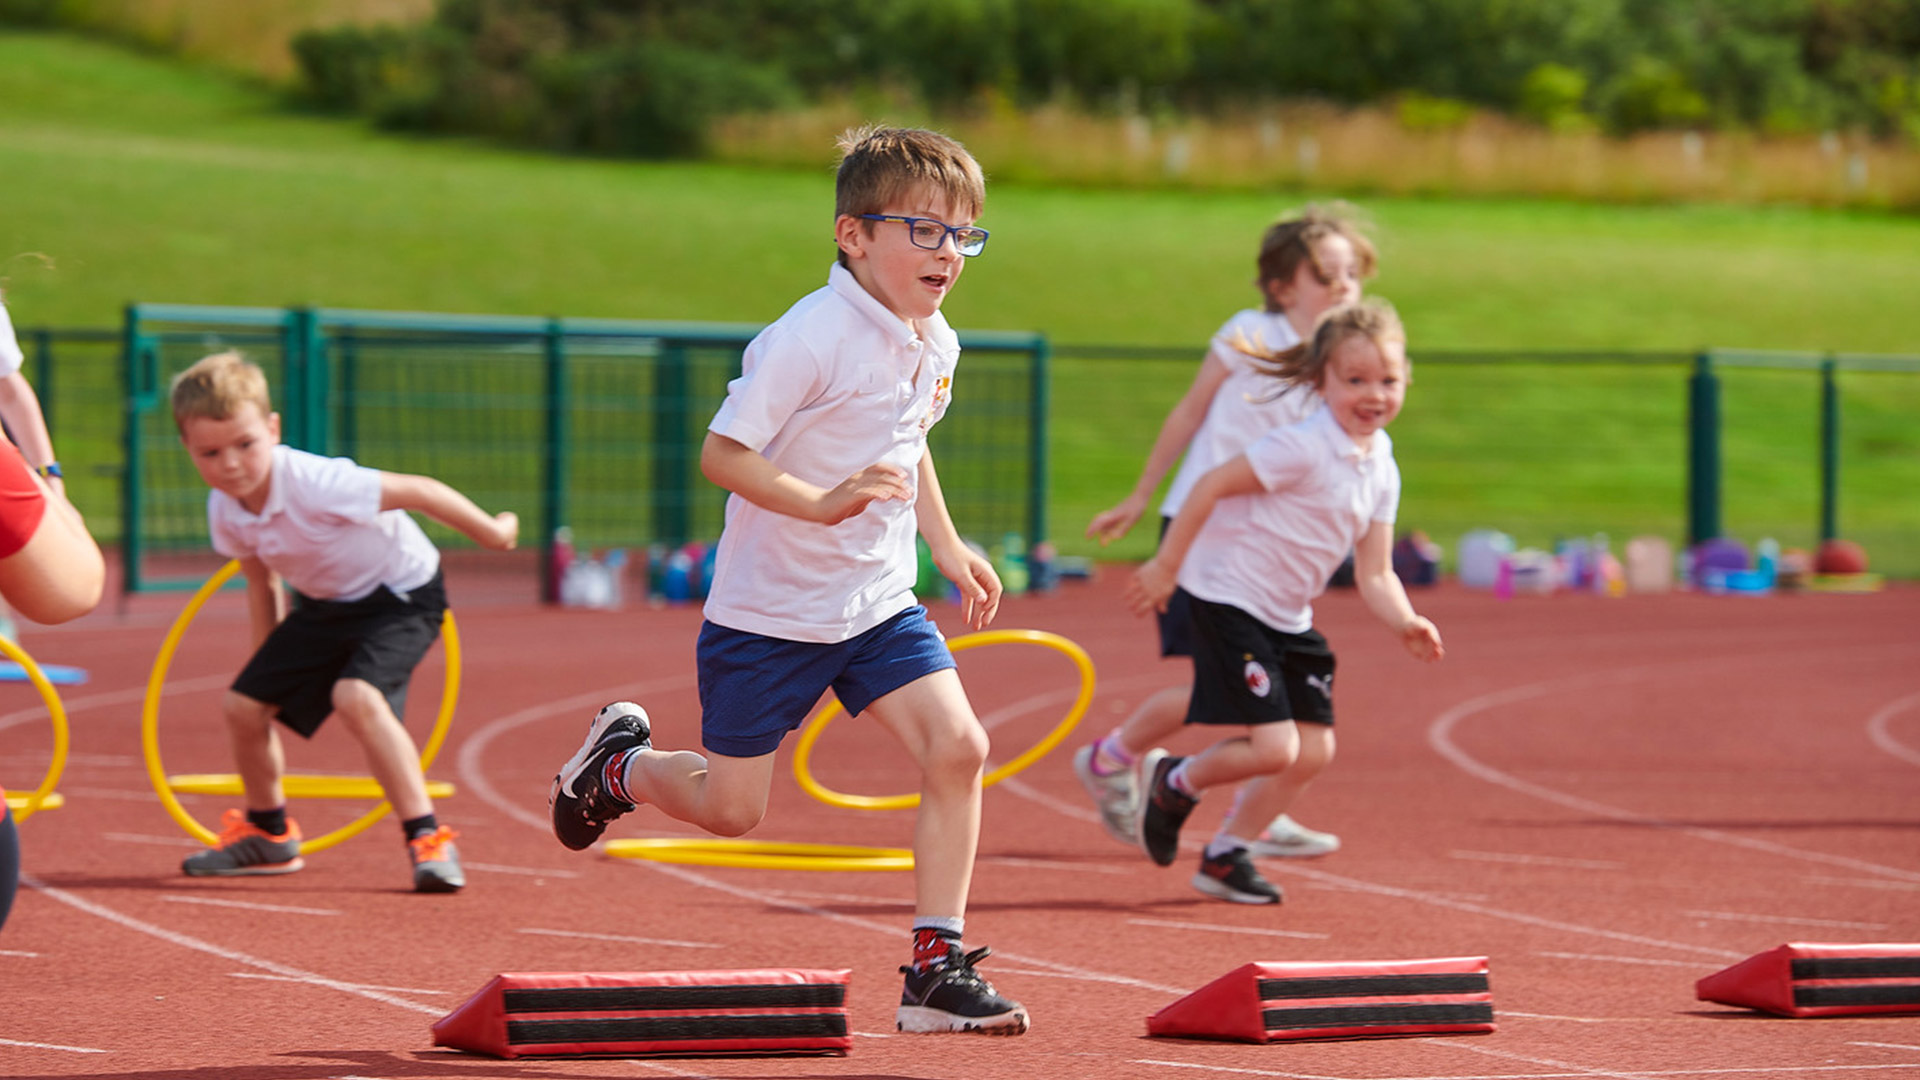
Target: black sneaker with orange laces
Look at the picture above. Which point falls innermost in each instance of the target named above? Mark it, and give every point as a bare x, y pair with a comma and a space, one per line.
436, 862
246, 849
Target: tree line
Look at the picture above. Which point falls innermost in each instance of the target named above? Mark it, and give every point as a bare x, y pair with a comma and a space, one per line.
648, 77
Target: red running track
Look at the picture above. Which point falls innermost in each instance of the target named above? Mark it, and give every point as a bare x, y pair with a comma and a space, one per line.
1607, 798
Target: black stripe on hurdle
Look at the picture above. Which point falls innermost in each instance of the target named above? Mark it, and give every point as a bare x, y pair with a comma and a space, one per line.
1340, 1016
676, 1029
1372, 986
1856, 967
652, 998
1870, 994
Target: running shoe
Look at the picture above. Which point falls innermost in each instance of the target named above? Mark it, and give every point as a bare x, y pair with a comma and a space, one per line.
245, 849
1117, 794
1232, 877
951, 996
581, 805
1164, 809
436, 862
1288, 839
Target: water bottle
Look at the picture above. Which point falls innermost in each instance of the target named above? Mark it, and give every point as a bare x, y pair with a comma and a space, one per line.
1013, 569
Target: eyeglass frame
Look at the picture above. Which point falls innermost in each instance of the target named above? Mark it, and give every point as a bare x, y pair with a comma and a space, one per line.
951, 231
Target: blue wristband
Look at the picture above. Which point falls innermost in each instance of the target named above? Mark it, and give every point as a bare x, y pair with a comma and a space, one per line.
50, 470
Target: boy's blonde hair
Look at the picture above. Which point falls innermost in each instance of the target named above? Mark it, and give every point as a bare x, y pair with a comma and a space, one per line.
1305, 364
1289, 242
216, 387
880, 166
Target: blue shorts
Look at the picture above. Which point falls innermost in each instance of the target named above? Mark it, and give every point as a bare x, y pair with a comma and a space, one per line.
1176, 623
754, 689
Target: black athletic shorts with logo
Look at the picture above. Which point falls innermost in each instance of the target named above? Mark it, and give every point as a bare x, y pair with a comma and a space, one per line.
1246, 672
379, 638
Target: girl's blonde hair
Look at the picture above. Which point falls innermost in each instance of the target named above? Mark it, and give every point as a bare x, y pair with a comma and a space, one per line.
216, 387
1289, 242
1305, 364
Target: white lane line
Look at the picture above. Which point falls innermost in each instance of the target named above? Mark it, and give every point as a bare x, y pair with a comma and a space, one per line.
19, 953
622, 938
1551, 1063
1537, 860
363, 986
1865, 883
1176, 924
141, 838
114, 697
844, 898
1796, 920
523, 871
52, 1046
186, 941
1440, 738
1571, 1019
1880, 729
1886, 1046
1051, 864
1620, 959
243, 905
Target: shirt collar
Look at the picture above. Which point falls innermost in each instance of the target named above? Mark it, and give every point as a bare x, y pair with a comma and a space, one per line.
276, 486
1339, 441
939, 336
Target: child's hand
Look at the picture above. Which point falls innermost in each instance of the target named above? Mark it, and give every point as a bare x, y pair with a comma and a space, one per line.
1422, 639
1111, 525
1149, 589
979, 587
875, 483
506, 531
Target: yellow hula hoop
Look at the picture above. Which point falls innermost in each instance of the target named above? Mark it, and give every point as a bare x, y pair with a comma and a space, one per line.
762, 854
42, 795
150, 722
803, 748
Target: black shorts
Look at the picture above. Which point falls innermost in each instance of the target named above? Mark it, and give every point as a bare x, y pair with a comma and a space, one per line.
1246, 672
1176, 623
379, 638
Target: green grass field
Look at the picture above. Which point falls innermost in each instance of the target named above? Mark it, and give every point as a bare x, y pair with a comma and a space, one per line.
129, 178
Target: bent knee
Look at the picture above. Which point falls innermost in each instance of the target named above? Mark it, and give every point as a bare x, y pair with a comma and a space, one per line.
735, 820
961, 754
244, 712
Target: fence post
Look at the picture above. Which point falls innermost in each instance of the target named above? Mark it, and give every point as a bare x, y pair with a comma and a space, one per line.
672, 514
348, 407
1829, 450
1703, 451
1037, 457
558, 438
43, 373
141, 377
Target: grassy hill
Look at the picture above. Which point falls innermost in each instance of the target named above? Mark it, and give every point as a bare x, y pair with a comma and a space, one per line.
132, 178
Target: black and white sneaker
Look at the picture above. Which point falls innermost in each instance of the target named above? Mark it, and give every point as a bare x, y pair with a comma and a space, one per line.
582, 807
1232, 877
953, 997
1164, 809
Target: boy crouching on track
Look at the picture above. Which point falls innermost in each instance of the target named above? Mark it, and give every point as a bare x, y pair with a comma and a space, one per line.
823, 442
368, 604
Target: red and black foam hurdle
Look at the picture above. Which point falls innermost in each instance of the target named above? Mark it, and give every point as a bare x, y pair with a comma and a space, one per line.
1340, 1000
632, 1014
1812, 979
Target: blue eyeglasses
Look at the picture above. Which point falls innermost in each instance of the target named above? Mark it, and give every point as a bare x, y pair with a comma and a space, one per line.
930, 234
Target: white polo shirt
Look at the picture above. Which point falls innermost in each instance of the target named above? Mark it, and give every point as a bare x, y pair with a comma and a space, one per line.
10, 355
1269, 554
322, 530
836, 384
1245, 406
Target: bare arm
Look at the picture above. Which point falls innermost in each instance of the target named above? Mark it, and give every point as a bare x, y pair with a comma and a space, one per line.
266, 600
20, 408
1154, 581
1176, 432
58, 575
748, 474
439, 501
979, 584
1386, 597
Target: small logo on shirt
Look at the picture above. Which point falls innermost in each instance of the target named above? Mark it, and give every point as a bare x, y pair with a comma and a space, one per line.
942, 393
1322, 683
1257, 680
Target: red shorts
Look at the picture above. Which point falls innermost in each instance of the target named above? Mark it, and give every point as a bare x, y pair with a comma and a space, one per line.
22, 503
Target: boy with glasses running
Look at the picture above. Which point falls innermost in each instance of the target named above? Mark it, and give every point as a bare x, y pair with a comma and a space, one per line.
823, 442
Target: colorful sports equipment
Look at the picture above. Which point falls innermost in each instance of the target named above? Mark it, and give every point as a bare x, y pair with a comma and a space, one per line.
42, 797
600, 1014
1283, 1002
803, 747
1810, 979
307, 786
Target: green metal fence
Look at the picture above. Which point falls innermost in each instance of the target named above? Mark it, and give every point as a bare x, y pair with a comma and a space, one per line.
591, 424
